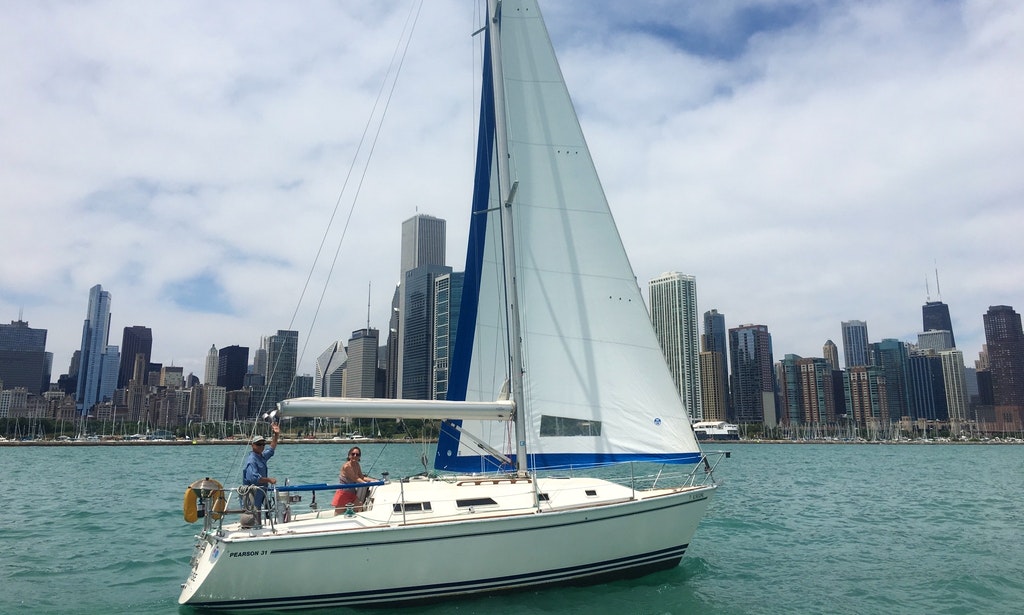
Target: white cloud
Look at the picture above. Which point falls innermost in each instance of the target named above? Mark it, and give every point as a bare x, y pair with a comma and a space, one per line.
809, 163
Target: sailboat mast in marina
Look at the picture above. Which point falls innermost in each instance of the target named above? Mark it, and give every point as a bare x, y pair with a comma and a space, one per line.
565, 453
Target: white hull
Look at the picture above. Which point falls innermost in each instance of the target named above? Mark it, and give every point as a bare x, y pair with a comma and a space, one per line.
375, 558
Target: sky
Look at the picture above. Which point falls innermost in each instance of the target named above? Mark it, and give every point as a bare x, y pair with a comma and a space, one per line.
809, 162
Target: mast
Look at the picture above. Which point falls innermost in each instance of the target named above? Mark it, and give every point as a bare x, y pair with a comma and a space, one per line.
507, 193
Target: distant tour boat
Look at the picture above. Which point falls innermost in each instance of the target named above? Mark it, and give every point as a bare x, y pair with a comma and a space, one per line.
716, 430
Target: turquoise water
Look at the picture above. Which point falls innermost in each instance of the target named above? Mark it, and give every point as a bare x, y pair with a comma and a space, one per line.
794, 529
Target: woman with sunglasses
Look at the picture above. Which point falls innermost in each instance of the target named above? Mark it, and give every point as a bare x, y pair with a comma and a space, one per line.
350, 474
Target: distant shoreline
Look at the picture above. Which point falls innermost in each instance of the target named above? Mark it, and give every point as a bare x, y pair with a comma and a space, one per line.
704, 444
184, 442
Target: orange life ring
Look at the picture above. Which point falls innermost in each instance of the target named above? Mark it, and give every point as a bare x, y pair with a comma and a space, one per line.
190, 506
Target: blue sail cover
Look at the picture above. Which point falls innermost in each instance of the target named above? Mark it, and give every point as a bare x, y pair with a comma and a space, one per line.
596, 387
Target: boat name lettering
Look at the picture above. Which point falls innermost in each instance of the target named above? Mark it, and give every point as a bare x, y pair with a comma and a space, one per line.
247, 553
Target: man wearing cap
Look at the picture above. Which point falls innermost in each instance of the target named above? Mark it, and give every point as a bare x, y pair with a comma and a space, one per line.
255, 471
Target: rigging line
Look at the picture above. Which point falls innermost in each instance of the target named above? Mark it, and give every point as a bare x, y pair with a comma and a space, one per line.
403, 44
404, 38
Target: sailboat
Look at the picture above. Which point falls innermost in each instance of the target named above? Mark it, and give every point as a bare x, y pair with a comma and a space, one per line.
565, 453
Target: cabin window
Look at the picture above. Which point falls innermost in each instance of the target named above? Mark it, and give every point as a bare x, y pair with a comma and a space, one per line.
412, 507
592, 492
475, 502
560, 426
543, 497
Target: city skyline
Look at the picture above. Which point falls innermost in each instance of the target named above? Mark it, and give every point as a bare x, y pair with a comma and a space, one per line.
731, 139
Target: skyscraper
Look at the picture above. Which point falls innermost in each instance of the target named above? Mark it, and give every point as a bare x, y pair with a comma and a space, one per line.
1004, 341
416, 332
831, 354
135, 340
329, 376
673, 298
282, 361
23, 357
361, 367
716, 339
935, 317
753, 375
855, 343
94, 350
891, 355
423, 242
447, 299
232, 365
423, 256
212, 363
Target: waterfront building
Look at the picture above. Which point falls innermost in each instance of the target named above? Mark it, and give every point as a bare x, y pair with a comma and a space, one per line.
135, 340
716, 339
423, 242
752, 375
892, 356
673, 305
172, 376
23, 358
1005, 345
712, 386
855, 343
927, 386
955, 381
866, 399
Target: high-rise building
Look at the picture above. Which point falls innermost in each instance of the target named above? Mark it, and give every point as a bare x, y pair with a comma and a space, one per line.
423, 242
831, 354
232, 365
673, 299
447, 300
23, 360
716, 339
892, 356
712, 386
927, 386
134, 341
282, 361
935, 317
391, 354
93, 355
855, 343
1004, 341
423, 257
936, 340
807, 390
866, 398
212, 364
416, 332
752, 375
955, 381
329, 376
361, 367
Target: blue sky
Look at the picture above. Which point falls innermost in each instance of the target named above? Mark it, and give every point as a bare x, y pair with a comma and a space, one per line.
808, 162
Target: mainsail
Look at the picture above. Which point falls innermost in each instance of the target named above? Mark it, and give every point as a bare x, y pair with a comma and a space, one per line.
596, 388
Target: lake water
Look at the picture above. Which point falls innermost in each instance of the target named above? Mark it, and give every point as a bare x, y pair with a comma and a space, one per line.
795, 528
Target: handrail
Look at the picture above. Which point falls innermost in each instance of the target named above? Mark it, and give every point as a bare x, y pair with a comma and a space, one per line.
323, 486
